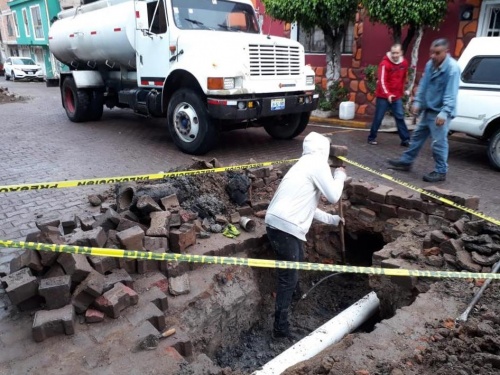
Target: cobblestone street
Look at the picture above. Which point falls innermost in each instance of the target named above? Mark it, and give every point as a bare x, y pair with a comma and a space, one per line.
40, 144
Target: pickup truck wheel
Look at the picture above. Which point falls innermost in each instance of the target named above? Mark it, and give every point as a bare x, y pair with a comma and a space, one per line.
96, 105
494, 150
189, 123
76, 102
287, 126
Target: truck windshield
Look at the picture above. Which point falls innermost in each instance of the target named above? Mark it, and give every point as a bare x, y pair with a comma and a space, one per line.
214, 15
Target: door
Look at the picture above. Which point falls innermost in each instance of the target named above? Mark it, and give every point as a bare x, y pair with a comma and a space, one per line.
152, 43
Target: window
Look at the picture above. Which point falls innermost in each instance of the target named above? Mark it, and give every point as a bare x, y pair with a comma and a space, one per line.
36, 20
14, 17
494, 24
314, 41
10, 27
489, 19
157, 18
25, 21
483, 69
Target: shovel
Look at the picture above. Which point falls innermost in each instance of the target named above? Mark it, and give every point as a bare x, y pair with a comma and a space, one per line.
465, 315
151, 341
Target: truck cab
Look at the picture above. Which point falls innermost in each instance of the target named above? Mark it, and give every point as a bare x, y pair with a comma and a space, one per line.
202, 64
478, 102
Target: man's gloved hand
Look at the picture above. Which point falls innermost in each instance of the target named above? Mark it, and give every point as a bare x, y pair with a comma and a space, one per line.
337, 220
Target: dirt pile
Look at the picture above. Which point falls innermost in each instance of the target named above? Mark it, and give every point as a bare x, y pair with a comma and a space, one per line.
8, 97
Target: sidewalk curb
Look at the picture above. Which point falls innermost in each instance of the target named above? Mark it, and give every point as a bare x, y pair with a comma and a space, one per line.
338, 122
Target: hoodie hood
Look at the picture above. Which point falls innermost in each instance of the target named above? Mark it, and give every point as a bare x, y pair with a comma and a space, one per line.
316, 144
388, 58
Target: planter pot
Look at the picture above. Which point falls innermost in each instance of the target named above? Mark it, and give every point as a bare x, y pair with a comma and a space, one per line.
322, 114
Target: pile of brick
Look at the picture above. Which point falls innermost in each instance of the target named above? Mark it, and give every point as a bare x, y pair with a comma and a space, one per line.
66, 284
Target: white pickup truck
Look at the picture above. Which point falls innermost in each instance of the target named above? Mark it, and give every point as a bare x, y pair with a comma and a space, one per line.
478, 105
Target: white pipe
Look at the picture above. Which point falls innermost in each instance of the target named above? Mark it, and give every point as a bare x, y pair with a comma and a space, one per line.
328, 334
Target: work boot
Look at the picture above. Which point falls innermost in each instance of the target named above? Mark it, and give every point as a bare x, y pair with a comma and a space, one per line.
434, 177
398, 165
405, 144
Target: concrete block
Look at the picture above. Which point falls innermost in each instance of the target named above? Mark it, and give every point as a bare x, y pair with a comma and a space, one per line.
114, 301
170, 203
92, 237
117, 276
53, 322
146, 205
156, 296
20, 285
179, 285
131, 239
54, 271
86, 221
108, 220
160, 224
94, 316
148, 312
69, 223
182, 238
87, 291
175, 221
103, 264
29, 258
379, 193
75, 265
56, 291
49, 221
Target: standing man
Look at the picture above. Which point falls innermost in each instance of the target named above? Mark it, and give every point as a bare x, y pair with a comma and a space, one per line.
436, 101
392, 74
291, 212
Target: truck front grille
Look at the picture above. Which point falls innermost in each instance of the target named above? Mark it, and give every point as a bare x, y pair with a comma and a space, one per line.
274, 60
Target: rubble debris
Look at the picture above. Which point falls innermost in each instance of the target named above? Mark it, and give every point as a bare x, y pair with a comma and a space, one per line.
48, 323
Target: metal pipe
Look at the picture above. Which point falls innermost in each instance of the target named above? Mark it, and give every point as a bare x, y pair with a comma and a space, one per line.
328, 334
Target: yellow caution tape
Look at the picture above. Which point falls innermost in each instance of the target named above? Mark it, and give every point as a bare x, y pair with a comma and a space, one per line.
422, 191
144, 177
250, 262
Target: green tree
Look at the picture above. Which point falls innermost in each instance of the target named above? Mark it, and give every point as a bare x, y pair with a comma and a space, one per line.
331, 16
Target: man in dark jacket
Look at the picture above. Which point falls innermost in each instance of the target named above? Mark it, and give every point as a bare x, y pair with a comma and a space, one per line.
392, 74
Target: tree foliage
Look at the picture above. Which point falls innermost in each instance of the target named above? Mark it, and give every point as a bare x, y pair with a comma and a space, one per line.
397, 14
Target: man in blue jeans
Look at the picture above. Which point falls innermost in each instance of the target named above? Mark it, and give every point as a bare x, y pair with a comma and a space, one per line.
291, 212
392, 75
436, 103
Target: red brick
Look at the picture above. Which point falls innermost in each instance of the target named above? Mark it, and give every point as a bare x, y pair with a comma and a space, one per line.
94, 316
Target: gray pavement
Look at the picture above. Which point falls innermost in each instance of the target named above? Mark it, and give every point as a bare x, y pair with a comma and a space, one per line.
38, 143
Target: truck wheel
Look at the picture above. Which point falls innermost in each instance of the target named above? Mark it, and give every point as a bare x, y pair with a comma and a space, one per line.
76, 102
189, 123
287, 126
96, 105
494, 150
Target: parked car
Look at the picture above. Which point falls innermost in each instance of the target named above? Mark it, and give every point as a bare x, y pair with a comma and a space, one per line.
478, 109
2, 61
23, 68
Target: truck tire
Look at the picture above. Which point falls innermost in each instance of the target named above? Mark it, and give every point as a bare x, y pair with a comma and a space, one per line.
287, 126
494, 150
76, 102
96, 106
189, 123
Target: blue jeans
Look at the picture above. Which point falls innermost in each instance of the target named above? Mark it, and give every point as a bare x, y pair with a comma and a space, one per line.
439, 134
397, 110
286, 247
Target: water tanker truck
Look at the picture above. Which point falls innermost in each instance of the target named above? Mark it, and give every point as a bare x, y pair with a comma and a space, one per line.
202, 64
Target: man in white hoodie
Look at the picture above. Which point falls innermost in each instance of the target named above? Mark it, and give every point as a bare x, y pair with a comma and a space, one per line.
291, 212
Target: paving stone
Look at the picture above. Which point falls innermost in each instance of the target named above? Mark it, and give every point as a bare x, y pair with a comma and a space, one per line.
160, 224
379, 193
114, 301
75, 265
86, 221
156, 296
131, 239
50, 221
399, 198
182, 238
103, 264
56, 291
127, 224
260, 205
93, 237
69, 223
94, 316
129, 215
129, 265
29, 258
20, 285
117, 276
53, 322
87, 291
170, 203
181, 342
245, 211
109, 220
112, 241
146, 205
175, 221
149, 312
142, 331
151, 280
54, 271
179, 285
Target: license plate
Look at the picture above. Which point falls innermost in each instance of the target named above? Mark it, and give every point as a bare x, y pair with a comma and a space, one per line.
30, 73
277, 104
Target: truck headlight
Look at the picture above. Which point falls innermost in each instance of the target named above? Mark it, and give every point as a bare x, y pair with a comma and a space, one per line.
309, 80
219, 83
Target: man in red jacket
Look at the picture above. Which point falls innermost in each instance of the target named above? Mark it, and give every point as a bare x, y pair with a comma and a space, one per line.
392, 74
